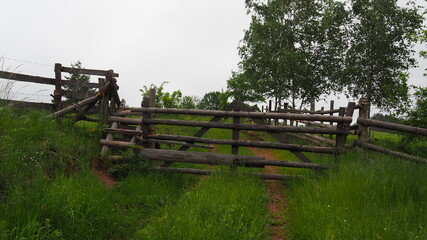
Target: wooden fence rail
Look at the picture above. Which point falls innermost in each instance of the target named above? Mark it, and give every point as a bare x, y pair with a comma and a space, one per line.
217, 113
109, 99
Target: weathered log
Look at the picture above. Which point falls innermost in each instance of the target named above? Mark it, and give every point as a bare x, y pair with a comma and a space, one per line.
390, 152
126, 132
244, 114
392, 126
267, 128
118, 144
210, 172
86, 71
215, 158
126, 112
177, 143
79, 104
43, 80
243, 143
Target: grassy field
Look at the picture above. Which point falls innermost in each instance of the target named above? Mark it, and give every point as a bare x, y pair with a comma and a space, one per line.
48, 191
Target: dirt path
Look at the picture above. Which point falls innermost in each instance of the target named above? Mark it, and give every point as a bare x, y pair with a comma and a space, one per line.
102, 174
277, 192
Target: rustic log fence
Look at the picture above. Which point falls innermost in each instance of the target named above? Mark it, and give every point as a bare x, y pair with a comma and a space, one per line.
107, 93
143, 136
363, 123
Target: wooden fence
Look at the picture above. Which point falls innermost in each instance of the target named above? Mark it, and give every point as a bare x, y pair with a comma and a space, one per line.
142, 132
361, 128
106, 85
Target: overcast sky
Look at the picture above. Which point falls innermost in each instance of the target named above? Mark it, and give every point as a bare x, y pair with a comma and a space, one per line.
192, 44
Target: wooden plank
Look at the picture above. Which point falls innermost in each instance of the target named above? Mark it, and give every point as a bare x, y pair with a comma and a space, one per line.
243, 143
210, 172
213, 158
177, 143
390, 152
43, 80
29, 105
245, 114
392, 126
87, 71
234, 126
26, 78
126, 132
222, 159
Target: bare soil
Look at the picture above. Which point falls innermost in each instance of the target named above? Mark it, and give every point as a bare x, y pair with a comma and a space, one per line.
102, 174
278, 194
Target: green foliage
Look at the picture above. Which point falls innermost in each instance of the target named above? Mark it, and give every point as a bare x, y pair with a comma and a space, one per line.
380, 51
78, 78
383, 199
223, 206
169, 100
417, 116
214, 100
292, 50
130, 163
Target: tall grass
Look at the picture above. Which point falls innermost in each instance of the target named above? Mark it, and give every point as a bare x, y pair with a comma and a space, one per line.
383, 199
223, 206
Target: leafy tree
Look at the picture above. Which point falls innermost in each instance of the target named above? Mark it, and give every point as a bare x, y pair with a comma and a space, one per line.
214, 100
292, 50
417, 116
80, 78
169, 100
380, 51
189, 102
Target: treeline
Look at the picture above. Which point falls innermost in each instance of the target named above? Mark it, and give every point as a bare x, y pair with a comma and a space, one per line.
296, 50
210, 101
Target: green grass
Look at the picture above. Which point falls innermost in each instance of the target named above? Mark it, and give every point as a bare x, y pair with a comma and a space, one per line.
48, 191
223, 206
383, 199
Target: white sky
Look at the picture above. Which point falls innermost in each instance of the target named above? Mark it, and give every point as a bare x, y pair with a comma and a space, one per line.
192, 44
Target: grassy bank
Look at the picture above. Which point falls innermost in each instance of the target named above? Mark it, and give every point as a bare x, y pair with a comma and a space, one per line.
367, 196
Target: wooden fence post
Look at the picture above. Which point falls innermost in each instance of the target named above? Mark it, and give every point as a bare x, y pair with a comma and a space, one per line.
103, 106
148, 129
342, 138
269, 110
57, 94
285, 107
235, 136
363, 130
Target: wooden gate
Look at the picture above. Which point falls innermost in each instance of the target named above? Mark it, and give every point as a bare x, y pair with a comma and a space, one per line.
141, 132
